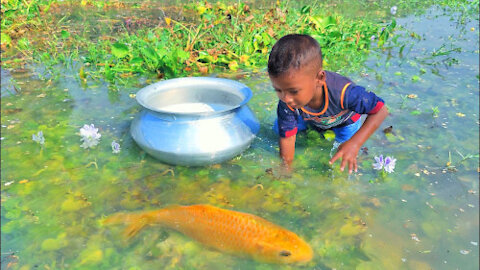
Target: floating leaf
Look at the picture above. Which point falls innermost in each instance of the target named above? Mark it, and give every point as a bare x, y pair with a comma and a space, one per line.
329, 135
415, 112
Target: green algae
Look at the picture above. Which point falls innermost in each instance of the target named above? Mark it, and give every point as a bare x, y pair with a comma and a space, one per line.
54, 219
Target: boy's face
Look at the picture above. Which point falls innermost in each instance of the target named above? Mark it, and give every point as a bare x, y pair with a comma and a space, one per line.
299, 87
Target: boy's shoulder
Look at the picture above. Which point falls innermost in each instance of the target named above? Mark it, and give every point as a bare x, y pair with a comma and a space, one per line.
336, 81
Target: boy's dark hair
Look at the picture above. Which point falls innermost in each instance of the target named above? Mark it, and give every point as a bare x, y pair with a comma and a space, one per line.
293, 51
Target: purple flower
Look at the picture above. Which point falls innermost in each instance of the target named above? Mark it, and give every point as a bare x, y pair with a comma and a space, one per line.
38, 137
90, 136
379, 163
393, 10
372, 38
115, 147
389, 164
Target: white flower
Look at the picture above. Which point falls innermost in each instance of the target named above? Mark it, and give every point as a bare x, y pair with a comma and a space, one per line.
393, 10
90, 136
389, 164
115, 147
38, 137
379, 163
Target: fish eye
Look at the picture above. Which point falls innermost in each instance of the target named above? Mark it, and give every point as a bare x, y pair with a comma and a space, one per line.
285, 253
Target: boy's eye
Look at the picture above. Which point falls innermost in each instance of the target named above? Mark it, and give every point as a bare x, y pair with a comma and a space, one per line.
294, 92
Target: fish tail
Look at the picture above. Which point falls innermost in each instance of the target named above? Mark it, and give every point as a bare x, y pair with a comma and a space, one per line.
135, 222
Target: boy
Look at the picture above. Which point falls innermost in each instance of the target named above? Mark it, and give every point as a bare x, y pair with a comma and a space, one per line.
323, 99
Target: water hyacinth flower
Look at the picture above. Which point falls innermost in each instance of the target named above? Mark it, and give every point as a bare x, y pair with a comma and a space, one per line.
115, 147
379, 163
393, 10
372, 38
38, 137
388, 164
90, 136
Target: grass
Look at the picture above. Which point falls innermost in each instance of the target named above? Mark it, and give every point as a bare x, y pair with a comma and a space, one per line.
114, 40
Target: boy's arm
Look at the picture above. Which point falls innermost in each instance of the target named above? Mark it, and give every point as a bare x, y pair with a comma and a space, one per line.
287, 150
348, 150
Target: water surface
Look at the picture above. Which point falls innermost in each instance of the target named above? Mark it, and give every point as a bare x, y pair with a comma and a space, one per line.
423, 216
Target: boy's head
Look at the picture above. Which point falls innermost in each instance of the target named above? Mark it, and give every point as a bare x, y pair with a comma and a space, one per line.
295, 69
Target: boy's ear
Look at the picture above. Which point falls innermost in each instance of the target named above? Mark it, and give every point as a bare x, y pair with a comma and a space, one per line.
321, 76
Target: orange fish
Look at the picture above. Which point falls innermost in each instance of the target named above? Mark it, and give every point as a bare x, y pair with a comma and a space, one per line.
229, 231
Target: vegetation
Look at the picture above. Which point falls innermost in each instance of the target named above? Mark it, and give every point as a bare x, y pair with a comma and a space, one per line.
61, 58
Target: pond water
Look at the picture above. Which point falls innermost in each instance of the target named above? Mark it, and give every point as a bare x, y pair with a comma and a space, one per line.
423, 216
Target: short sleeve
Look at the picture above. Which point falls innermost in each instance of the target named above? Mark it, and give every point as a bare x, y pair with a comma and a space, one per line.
287, 120
359, 100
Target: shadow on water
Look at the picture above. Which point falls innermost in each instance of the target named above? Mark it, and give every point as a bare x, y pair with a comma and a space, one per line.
422, 216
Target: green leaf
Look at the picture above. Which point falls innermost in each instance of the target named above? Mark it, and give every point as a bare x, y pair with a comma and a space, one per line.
182, 55
329, 135
415, 112
305, 9
23, 44
415, 78
65, 34
119, 50
390, 137
136, 61
149, 54
5, 39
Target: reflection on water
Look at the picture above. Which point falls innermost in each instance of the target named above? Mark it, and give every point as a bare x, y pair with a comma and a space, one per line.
424, 216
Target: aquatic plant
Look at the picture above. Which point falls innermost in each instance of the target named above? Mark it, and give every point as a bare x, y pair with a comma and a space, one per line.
393, 10
90, 136
387, 164
38, 137
115, 147
378, 165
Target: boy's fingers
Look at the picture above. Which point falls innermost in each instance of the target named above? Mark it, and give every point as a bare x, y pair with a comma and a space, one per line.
334, 158
342, 166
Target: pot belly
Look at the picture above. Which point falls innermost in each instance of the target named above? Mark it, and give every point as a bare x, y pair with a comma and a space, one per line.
195, 142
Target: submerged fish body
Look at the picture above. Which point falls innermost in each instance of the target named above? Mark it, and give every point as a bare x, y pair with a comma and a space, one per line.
228, 231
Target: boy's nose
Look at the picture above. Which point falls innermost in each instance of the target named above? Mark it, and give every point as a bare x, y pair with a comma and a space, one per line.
287, 98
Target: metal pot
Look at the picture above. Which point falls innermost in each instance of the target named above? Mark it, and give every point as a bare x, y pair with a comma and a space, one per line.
195, 120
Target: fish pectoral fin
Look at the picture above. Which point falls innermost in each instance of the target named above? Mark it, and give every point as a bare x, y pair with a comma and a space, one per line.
262, 245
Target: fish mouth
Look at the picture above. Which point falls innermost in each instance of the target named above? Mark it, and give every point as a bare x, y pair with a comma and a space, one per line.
307, 256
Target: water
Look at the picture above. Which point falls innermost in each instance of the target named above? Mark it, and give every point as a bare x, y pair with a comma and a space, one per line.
188, 108
423, 216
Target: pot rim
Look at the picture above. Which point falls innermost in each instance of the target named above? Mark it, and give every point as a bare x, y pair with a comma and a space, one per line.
227, 85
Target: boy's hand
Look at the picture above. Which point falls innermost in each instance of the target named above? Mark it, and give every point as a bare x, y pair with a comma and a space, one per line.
348, 151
